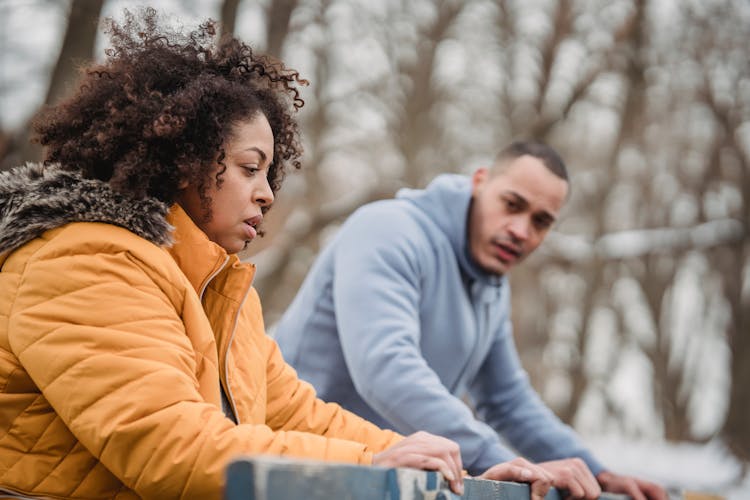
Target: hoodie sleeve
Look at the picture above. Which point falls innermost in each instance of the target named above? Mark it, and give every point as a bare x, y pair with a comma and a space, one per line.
376, 291
505, 400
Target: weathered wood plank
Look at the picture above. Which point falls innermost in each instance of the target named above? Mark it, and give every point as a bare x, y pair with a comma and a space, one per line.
271, 478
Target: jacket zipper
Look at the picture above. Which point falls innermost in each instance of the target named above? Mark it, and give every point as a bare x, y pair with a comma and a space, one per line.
226, 375
229, 346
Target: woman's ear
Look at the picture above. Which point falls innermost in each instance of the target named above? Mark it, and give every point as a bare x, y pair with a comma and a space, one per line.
182, 184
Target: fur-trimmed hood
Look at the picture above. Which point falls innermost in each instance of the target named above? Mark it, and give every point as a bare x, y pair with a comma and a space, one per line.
35, 198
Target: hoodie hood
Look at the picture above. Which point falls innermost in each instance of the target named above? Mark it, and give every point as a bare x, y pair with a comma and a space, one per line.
35, 198
446, 201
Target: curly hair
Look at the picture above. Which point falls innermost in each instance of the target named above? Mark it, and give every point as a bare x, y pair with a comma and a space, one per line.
159, 108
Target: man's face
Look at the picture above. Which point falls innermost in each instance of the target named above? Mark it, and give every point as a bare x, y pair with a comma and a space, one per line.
512, 211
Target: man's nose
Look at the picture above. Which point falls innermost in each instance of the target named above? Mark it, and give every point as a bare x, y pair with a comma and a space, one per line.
519, 228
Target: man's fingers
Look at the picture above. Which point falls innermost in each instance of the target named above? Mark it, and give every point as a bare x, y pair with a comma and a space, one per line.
652, 490
522, 471
507, 472
510, 472
573, 474
636, 494
570, 484
541, 482
631, 488
638, 489
539, 489
591, 488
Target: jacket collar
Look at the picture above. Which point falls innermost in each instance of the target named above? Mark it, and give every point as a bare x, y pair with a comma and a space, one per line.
198, 257
35, 198
201, 260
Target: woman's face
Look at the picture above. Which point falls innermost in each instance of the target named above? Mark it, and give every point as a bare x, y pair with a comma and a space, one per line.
236, 204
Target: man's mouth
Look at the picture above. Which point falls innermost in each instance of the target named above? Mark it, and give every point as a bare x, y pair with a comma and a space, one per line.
507, 253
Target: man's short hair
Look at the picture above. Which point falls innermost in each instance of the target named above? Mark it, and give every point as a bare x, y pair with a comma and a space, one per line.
548, 156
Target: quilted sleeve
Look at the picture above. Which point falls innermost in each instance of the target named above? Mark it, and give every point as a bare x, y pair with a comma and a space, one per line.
99, 331
293, 404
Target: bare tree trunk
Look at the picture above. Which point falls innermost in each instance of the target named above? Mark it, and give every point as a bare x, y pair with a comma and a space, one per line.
735, 430
415, 129
279, 15
229, 16
731, 262
657, 273
77, 48
632, 42
668, 378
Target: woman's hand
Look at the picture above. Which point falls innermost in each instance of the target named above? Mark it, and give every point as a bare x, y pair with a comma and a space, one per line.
522, 471
423, 450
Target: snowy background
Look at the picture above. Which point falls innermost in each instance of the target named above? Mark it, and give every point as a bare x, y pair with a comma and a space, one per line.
633, 318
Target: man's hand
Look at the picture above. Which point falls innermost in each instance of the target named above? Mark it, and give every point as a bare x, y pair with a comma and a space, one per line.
638, 489
573, 475
423, 450
522, 471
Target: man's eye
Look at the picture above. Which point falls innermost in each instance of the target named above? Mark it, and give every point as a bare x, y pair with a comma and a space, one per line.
511, 204
542, 222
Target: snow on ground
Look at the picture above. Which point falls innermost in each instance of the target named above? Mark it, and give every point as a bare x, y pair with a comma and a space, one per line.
707, 468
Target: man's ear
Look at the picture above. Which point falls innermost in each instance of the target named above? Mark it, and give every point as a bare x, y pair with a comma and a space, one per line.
478, 178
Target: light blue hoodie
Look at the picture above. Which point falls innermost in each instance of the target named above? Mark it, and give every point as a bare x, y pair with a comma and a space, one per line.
396, 323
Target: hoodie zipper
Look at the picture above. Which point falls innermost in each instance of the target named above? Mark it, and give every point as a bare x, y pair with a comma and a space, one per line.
482, 335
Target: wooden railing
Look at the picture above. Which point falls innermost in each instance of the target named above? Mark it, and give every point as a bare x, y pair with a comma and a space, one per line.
270, 478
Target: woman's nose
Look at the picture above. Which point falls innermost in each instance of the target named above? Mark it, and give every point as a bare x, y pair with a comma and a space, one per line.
263, 195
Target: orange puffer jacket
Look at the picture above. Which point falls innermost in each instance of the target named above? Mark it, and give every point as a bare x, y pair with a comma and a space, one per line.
113, 349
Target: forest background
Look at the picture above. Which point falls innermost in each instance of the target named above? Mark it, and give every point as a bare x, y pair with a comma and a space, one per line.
633, 318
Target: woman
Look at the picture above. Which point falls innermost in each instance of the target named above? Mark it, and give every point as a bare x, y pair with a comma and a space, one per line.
133, 358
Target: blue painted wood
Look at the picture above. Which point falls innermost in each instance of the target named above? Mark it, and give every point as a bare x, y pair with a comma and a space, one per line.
271, 478
483, 489
240, 480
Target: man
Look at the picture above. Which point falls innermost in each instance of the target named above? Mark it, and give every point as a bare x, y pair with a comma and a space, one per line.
408, 310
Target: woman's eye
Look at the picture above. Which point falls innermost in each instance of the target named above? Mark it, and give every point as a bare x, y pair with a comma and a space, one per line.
250, 169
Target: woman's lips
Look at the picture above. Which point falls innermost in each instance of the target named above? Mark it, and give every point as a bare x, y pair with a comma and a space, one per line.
250, 231
251, 224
